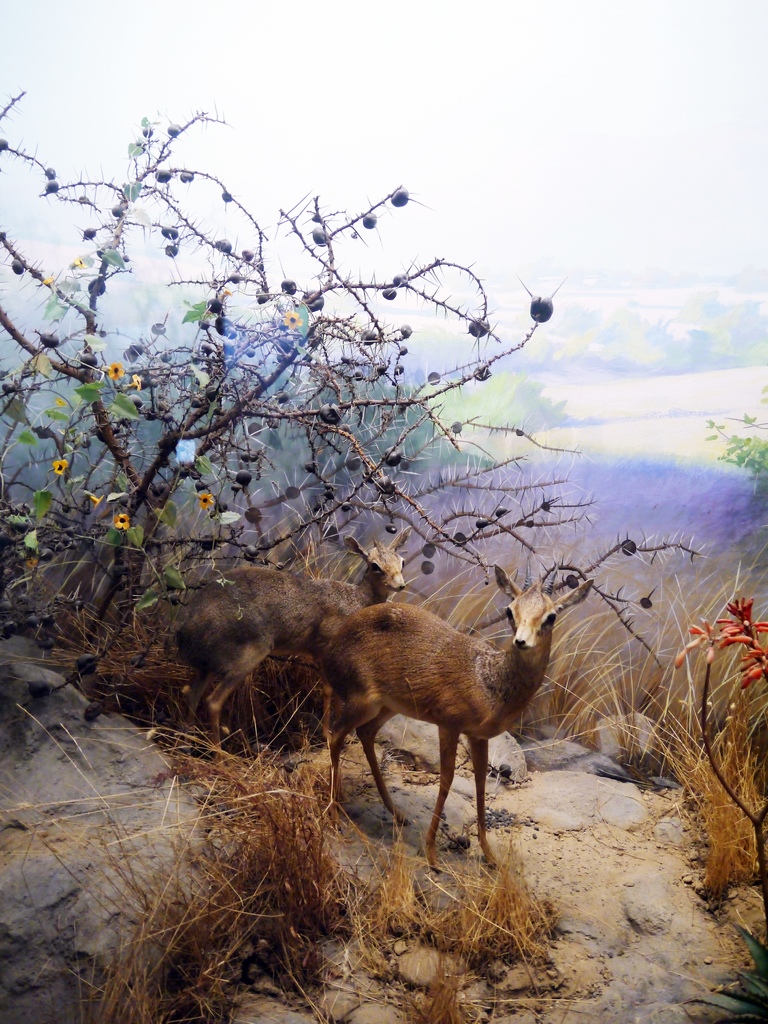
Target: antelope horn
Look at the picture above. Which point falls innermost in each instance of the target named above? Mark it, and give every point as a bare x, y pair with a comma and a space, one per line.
527, 582
551, 585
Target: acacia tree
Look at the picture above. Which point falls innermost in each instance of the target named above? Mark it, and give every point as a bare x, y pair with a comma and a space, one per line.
272, 414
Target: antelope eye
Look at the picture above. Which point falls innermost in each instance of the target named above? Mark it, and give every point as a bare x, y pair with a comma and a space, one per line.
510, 616
550, 620
376, 568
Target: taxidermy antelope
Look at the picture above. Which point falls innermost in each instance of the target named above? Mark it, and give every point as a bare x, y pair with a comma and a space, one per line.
232, 624
400, 659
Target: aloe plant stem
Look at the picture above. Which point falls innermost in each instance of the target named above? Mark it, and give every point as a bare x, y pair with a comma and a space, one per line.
757, 818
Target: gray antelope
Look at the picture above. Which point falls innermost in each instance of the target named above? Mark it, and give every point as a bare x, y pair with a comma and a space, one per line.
234, 622
400, 659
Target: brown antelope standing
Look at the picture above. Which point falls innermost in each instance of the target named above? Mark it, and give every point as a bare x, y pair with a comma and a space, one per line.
400, 659
233, 623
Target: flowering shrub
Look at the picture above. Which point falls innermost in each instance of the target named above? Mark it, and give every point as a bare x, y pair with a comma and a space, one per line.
739, 628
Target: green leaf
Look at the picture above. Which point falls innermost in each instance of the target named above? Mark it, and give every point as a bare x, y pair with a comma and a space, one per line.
304, 325
135, 535
757, 950
114, 259
135, 149
90, 392
27, 437
227, 518
167, 514
201, 376
203, 465
132, 190
41, 364
173, 578
123, 408
147, 600
57, 414
16, 411
42, 501
94, 343
30, 541
18, 520
114, 537
54, 310
195, 313
141, 215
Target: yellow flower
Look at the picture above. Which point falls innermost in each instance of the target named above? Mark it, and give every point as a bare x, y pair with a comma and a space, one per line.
136, 382
116, 371
31, 563
48, 281
122, 521
206, 500
292, 320
60, 466
94, 500
60, 402
78, 264
226, 292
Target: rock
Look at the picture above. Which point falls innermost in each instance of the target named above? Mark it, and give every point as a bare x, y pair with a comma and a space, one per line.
414, 743
517, 979
261, 1010
40, 681
505, 750
670, 830
647, 906
375, 1013
90, 817
422, 965
564, 755
337, 1002
567, 800
522, 1016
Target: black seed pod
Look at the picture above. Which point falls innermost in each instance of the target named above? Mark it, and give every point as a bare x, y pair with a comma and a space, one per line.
479, 328
401, 197
330, 413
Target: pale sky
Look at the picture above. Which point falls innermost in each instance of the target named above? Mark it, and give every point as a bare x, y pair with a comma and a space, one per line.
595, 133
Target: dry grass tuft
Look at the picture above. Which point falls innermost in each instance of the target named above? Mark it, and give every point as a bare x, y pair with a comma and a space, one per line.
731, 856
440, 1004
262, 891
470, 912
490, 915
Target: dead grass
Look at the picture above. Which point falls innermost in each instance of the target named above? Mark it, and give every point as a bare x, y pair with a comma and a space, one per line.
263, 891
731, 854
469, 912
440, 1004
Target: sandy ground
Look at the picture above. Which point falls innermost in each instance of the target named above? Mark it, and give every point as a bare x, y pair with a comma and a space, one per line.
636, 937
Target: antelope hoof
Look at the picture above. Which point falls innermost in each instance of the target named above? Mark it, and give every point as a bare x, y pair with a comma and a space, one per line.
401, 819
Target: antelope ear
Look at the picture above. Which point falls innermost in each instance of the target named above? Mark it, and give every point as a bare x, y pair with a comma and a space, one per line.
505, 583
575, 596
353, 544
398, 541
